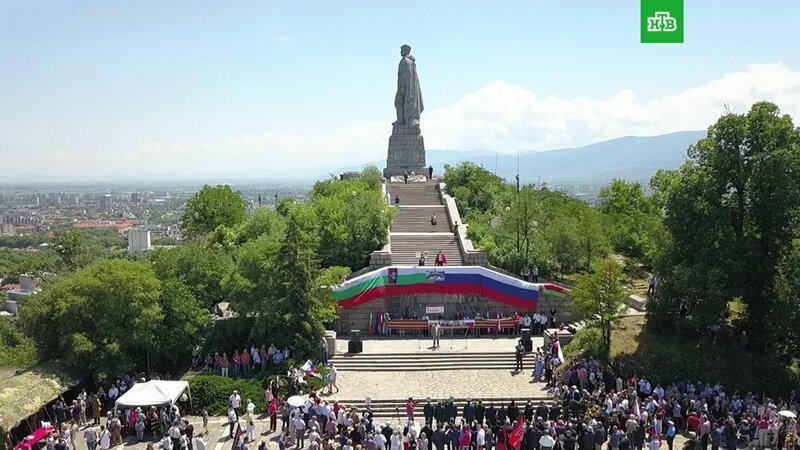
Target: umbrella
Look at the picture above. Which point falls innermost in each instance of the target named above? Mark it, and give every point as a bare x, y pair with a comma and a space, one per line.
787, 413
296, 401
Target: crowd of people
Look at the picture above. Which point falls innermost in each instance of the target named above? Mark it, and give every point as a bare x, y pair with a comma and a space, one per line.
241, 363
588, 417
635, 410
89, 408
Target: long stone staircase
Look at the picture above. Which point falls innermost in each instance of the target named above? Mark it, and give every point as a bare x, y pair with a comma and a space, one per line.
393, 411
411, 230
423, 361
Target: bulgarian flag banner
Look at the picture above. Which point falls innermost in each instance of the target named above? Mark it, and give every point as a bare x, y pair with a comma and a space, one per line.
463, 280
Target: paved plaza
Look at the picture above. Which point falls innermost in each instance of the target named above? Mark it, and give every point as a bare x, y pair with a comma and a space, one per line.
501, 383
439, 384
450, 343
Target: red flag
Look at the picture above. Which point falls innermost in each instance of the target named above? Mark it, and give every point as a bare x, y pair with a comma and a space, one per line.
516, 435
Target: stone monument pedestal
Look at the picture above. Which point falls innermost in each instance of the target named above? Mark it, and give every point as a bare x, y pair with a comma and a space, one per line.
406, 152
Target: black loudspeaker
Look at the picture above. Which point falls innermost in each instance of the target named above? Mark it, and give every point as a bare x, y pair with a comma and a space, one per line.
526, 339
355, 347
528, 345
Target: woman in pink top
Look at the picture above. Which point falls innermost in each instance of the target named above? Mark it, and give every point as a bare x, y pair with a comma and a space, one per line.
763, 427
410, 405
273, 414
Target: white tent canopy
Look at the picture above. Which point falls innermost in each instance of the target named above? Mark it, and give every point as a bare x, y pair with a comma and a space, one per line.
154, 393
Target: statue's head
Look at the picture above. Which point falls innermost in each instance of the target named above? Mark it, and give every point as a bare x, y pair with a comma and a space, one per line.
405, 50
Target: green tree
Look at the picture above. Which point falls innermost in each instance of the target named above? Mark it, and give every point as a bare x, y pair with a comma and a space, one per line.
733, 216
590, 234
96, 319
179, 333
521, 220
786, 314
74, 250
599, 299
210, 208
252, 285
263, 221
372, 177
632, 217
353, 221
662, 184
17, 350
474, 187
295, 303
200, 268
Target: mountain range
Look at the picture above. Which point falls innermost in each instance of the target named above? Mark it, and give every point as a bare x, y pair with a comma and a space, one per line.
631, 158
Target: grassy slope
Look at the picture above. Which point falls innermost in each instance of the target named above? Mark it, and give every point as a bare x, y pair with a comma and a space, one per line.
666, 355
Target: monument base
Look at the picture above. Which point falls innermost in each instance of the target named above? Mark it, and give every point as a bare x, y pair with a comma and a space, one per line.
406, 152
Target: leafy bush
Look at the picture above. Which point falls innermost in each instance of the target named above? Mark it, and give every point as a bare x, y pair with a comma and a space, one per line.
212, 392
16, 349
587, 342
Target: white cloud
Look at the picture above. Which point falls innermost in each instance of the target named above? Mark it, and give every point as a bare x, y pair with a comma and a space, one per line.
499, 116
505, 118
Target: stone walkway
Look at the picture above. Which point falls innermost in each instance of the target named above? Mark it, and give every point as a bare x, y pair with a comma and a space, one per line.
437, 385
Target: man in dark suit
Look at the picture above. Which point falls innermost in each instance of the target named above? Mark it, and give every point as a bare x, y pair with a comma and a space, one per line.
480, 412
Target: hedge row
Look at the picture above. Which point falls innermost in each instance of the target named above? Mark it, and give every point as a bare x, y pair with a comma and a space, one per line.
212, 392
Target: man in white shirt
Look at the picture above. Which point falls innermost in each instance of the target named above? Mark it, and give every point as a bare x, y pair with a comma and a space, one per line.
113, 393
659, 391
380, 440
300, 427
105, 438
271, 353
255, 355
233, 420
166, 443
480, 439
236, 402
546, 442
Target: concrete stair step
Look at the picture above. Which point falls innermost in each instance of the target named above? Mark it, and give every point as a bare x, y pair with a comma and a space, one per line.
396, 408
510, 367
459, 401
420, 354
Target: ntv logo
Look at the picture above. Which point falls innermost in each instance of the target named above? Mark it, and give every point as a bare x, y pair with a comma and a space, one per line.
662, 21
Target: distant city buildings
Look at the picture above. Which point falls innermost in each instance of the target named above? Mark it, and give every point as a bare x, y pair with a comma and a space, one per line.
18, 292
107, 203
121, 225
138, 240
7, 229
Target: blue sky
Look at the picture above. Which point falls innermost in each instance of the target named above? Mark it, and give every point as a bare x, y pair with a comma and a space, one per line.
185, 87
